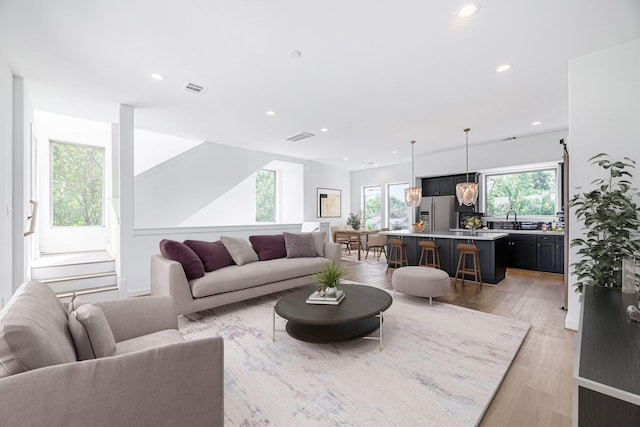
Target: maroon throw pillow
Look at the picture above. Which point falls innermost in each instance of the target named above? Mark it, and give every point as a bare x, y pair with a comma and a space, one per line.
213, 254
269, 246
182, 253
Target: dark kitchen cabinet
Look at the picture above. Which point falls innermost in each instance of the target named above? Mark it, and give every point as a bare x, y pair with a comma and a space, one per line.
458, 179
521, 251
546, 254
441, 186
559, 242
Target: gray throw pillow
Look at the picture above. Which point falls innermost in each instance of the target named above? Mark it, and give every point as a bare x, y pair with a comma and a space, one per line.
91, 333
319, 238
299, 245
240, 250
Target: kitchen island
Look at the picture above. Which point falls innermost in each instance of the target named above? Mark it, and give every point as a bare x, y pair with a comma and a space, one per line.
493, 250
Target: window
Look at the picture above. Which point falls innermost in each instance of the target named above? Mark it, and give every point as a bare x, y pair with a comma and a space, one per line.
77, 185
529, 193
398, 211
372, 218
266, 196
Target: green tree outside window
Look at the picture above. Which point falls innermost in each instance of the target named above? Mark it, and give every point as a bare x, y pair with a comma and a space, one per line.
266, 196
528, 193
77, 185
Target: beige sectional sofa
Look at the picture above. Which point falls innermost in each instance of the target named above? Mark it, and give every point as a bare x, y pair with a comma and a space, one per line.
235, 283
112, 363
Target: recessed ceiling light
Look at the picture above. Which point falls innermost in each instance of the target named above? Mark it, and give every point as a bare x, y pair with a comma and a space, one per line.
504, 67
536, 123
468, 10
394, 152
295, 54
270, 113
345, 158
156, 76
324, 130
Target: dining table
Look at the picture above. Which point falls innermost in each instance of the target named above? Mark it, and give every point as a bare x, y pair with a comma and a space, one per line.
355, 233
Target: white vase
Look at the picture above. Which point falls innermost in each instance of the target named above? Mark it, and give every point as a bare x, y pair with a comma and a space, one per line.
330, 290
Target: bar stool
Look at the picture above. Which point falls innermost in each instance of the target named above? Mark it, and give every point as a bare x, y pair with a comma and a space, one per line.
468, 249
398, 254
429, 247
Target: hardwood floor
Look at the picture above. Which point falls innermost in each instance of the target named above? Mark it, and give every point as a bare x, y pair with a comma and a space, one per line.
537, 388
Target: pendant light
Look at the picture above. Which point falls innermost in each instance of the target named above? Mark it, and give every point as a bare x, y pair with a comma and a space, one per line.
413, 195
467, 192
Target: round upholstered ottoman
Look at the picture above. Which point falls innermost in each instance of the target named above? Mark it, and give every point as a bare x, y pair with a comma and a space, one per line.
421, 282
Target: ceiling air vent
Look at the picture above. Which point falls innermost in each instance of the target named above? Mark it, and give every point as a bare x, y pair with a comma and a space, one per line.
299, 136
194, 88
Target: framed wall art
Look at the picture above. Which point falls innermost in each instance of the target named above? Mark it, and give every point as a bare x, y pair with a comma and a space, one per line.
329, 203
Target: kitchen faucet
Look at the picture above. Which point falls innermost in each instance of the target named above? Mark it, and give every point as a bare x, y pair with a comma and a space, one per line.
515, 218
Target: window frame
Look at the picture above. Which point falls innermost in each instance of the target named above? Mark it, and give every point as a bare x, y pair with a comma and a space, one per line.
363, 203
555, 167
51, 186
388, 204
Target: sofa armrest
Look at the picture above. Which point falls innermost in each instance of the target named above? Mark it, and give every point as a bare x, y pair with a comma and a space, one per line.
333, 251
173, 385
134, 317
168, 278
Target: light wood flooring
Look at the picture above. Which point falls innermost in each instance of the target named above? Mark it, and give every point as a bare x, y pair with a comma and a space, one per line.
537, 388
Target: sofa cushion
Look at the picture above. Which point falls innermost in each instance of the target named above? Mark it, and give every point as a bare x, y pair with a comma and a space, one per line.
91, 332
213, 255
240, 250
33, 331
269, 247
299, 245
182, 253
319, 238
236, 277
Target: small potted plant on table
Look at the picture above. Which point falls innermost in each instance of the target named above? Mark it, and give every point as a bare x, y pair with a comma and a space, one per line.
329, 278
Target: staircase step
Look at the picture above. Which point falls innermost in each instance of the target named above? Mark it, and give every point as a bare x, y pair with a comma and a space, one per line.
67, 270
82, 282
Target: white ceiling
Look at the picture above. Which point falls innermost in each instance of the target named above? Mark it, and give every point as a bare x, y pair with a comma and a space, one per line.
375, 73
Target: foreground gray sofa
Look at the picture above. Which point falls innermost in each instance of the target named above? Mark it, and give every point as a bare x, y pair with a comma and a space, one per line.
236, 282
155, 378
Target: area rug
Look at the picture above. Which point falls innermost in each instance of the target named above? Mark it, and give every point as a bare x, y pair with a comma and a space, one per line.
440, 366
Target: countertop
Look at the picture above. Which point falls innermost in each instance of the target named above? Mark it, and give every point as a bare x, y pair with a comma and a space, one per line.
496, 230
449, 234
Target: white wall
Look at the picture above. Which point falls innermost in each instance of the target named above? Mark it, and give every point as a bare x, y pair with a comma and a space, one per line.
529, 150
196, 188
6, 181
604, 108
22, 124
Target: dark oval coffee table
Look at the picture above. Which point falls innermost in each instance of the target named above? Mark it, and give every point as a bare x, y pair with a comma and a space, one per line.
359, 314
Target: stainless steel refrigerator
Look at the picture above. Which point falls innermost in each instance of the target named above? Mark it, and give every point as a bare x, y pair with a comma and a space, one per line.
438, 212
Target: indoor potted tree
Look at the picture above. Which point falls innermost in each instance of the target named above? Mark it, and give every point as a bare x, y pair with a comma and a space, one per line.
611, 219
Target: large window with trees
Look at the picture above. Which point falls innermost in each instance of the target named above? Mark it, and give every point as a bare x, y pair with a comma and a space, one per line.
371, 200
397, 210
266, 195
77, 185
528, 193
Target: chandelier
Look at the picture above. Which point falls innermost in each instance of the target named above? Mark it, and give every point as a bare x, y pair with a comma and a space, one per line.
413, 195
467, 192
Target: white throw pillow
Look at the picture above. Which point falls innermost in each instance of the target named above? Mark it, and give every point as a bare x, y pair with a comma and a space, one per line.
240, 250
